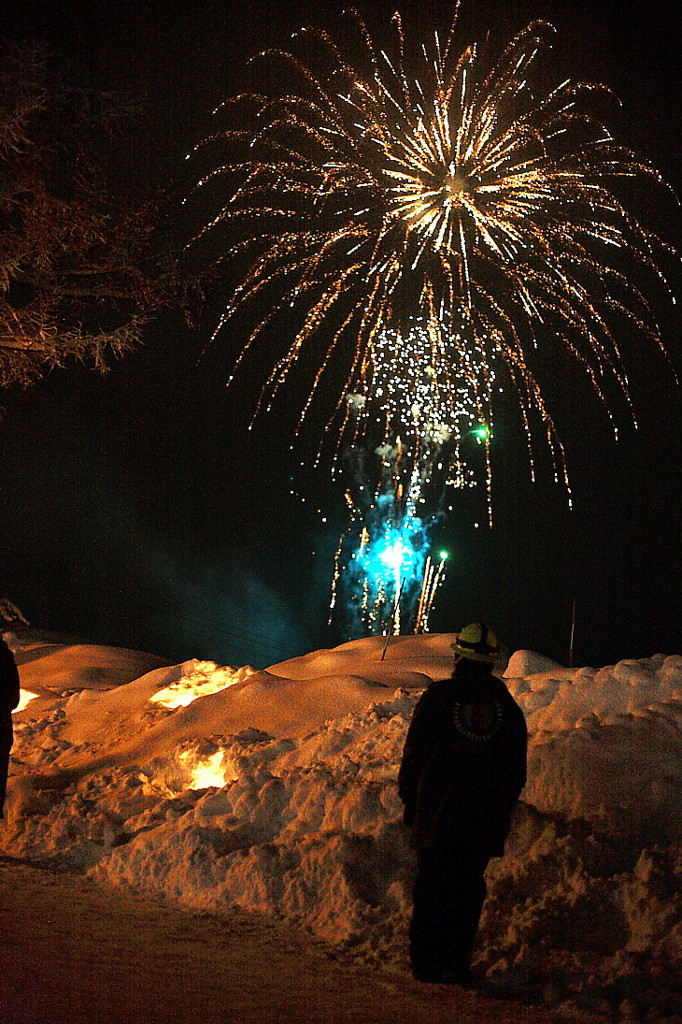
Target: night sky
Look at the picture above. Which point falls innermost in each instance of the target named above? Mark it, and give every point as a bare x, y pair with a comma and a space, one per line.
138, 511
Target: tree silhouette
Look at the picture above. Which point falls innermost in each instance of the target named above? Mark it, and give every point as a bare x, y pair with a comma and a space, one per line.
83, 262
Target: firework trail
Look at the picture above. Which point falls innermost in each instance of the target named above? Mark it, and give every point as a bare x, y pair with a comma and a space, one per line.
396, 491
465, 195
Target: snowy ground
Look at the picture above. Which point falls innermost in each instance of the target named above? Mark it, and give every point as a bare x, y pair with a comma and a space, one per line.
80, 954
274, 791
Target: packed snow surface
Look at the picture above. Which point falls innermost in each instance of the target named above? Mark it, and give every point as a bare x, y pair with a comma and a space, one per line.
275, 791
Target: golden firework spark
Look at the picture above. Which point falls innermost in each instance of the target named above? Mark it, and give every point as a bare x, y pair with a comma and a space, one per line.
464, 193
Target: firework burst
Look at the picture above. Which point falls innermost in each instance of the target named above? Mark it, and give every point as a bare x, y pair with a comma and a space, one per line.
424, 228
464, 193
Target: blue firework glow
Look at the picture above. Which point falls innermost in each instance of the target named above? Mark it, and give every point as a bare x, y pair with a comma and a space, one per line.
390, 580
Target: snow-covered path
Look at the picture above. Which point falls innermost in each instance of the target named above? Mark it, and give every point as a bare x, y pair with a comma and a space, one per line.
72, 953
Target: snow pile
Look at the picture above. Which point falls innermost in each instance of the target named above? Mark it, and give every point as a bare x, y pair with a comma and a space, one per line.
606, 745
301, 818
46, 665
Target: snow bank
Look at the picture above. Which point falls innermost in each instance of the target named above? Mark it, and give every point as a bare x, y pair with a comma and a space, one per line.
60, 666
303, 821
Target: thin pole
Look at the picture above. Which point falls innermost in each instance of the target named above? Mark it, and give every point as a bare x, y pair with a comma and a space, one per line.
395, 608
570, 649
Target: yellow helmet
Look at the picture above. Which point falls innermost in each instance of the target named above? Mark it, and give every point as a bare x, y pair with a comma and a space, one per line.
478, 643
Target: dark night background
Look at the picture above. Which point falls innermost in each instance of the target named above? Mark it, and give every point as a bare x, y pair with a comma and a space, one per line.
138, 511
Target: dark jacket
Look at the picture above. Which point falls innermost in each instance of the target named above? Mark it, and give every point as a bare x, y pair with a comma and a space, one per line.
9, 679
464, 764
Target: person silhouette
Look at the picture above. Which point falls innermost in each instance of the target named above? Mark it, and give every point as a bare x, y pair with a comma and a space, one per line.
9, 698
462, 772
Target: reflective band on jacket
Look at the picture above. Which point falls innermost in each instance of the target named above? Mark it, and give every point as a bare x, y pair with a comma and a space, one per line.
478, 721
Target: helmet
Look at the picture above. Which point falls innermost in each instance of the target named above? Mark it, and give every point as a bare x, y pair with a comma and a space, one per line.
478, 643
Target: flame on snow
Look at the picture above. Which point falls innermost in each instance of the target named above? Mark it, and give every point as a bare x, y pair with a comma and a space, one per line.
25, 698
205, 679
206, 772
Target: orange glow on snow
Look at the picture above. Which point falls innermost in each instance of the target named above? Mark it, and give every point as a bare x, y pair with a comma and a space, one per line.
206, 679
206, 772
25, 697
